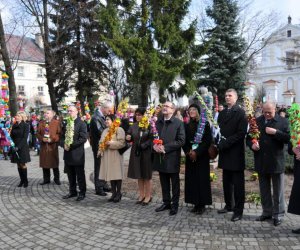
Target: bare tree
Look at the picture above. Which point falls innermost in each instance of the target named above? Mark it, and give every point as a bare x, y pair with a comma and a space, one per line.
9, 70
117, 79
39, 10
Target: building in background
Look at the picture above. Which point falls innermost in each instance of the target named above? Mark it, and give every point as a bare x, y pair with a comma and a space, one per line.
278, 74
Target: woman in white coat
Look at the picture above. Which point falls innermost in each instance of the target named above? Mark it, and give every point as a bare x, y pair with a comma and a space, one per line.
111, 168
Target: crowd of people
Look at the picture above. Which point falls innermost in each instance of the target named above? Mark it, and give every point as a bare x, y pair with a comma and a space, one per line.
158, 147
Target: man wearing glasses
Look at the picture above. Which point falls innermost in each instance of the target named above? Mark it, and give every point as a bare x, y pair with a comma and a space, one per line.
74, 156
167, 157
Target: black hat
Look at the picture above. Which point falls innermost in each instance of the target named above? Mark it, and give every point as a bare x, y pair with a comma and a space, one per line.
193, 105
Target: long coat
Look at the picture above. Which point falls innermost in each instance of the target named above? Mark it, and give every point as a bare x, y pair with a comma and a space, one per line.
49, 150
19, 135
112, 161
75, 156
233, 129
294, 203
140, 166
172, 133
96, 128
269, 158
197, 187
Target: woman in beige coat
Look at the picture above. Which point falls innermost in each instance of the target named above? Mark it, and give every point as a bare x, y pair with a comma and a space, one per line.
111, 168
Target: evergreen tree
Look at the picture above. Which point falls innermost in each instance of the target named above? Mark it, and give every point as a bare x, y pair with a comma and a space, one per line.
224, 63
77, 46
149, 38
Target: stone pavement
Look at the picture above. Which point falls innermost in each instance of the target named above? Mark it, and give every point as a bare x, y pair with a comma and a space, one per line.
37, 218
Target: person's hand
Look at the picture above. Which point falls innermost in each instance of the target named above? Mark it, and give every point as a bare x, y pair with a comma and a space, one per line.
128, 137
15, 149
158, 149
193, 156
108, 143
296, 151
270, 131
255, 146
67, 148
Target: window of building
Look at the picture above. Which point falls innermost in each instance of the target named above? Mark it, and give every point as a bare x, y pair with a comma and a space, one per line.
290, 59
20, 71
39, 73
289, 33
290, 83
40, 90
21, 90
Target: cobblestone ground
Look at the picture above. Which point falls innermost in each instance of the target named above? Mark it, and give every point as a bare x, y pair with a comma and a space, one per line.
37, 218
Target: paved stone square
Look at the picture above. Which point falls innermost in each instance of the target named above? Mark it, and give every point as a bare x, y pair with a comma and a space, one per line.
38, 218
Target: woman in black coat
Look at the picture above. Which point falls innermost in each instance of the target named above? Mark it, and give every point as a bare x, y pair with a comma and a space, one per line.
140, 158
294, 204
197, 169
20, 153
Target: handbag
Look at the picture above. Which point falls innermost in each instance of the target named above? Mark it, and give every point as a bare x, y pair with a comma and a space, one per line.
213, 151
124, 149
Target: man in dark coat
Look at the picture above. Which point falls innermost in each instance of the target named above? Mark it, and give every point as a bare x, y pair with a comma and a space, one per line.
233, 128
167, 157
74, 156
96, 128
269, 162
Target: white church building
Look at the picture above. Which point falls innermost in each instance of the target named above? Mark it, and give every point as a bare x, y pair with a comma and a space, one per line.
278, 73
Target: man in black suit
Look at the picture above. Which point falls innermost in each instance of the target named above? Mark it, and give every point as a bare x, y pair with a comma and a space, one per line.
233, 128
269, 162
167, 157
96, 128
74, 156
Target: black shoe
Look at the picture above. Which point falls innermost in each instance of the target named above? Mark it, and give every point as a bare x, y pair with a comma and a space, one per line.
111, 199
263, 218
296, 231
140, 201
194, 209
224, 210
20, 184
200, 210
163, 207
25, 184
80, 197
68, 196
45, 183
57, 182
118, 197
145, 203
101, 193
236, 217
277, 222
173, 211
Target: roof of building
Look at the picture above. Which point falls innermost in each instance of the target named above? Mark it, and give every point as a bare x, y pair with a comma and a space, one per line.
24, 48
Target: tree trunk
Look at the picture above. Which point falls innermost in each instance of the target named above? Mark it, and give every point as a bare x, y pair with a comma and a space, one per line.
13, 106
48, 62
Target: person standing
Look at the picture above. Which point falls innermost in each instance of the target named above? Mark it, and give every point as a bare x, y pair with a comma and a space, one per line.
167, 157
140, 158
48, 133
294, 203
73, 138
112, 161
233, 128
197, 189
20, 153
269, 162
97, 126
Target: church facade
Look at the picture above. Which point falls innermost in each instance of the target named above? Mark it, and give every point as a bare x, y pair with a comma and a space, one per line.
278, 74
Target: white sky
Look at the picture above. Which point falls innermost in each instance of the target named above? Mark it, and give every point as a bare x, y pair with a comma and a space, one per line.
283, 7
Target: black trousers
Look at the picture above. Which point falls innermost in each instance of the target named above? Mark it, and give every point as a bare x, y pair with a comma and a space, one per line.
234, 190
76, 173
99, 184
165, 180
47, 174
